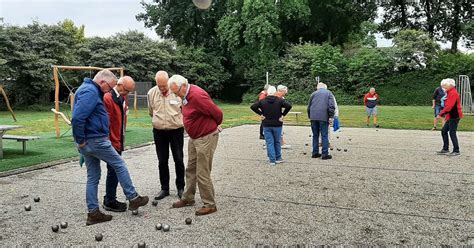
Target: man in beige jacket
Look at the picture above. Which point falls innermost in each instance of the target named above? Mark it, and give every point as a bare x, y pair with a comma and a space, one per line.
165, 109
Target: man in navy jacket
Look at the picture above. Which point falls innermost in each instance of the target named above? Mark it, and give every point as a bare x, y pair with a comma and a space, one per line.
90, 125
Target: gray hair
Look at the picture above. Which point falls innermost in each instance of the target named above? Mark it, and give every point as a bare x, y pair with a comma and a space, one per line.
448, 81
178, 80
105, 75
282, 88
372, 89
266, 87
321, 86
271, 91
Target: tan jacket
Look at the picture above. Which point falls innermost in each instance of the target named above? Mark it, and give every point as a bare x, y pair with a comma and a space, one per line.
164, 110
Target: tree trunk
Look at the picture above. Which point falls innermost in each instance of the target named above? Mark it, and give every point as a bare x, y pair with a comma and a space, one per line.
456, 26
429, 19
403, 10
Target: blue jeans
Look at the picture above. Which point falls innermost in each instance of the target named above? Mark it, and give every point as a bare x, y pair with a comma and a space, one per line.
273, 140
320, 127
111, 183
94, 151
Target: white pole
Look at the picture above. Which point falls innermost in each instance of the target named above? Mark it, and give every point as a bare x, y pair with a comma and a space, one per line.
267, 77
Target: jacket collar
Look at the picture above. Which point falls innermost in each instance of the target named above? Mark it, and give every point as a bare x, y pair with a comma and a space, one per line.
90, 81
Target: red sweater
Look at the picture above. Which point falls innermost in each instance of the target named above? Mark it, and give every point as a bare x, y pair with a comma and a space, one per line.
117, 120
201, 116
262, 95
452, 106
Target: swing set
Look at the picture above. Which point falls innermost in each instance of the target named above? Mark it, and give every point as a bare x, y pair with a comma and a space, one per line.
70, 101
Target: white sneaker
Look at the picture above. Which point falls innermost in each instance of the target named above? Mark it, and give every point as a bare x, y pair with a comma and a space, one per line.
272, 164
285, 146
264, 146
280, 161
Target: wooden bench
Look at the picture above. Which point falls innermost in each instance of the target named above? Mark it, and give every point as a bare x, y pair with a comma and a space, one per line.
297, 115
23, 139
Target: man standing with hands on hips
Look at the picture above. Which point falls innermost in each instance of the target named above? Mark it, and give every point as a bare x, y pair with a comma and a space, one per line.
165, 109
202, 119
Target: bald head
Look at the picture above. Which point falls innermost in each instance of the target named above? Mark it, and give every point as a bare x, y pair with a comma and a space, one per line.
161, 79
125, 85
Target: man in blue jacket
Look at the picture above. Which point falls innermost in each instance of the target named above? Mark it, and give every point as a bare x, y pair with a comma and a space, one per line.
321, 110
90, 127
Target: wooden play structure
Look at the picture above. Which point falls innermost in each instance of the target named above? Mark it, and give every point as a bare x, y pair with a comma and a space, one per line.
57, 75
7, 102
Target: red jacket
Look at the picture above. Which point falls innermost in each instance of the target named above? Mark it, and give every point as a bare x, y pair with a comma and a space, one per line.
370, 100
116, 108
262, 95
201, 116
452, 106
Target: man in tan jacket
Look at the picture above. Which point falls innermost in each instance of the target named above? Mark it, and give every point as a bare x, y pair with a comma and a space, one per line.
165, 109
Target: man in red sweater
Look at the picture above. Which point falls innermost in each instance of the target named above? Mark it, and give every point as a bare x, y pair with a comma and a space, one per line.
116, 106
202, 119
453, 113
371, 100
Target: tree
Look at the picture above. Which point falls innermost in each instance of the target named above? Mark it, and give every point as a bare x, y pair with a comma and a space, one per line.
414, 49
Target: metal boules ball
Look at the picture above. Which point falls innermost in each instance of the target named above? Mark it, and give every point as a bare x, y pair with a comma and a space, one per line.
306, 144
337, 137
309, 135
154, 203
99, 237
135, 212
55, 228
345, 150
141, 245
188, 221
350, 139
36, 199
304, 153
338, 149
158, 226
331, 148
27, 207
166, 228
202, 4
63, 225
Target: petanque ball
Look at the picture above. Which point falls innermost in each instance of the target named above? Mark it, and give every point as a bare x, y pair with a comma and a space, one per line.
135, 212
337, 137
27, 207
99, 237
304, 153
154, 203
158, 226
188, 221
55, 228
166, 228
63, 225
345, 150
338, 149
36, 199
331, 148
306, 144
141, 245
202, 4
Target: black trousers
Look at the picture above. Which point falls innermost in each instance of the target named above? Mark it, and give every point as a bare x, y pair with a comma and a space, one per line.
111, 183
164, 140
261, 131
450, 126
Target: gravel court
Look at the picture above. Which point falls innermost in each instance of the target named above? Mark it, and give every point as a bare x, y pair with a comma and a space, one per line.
388, 188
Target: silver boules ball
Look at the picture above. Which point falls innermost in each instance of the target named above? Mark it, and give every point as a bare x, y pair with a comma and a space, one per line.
166, 228
158, 226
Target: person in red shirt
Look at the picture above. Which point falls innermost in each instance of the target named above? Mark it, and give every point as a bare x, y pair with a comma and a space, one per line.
452, 112
116, 106
262, 95
371, 100
202, 119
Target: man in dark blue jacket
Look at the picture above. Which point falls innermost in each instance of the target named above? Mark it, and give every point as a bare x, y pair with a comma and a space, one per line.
321, 110
90, 127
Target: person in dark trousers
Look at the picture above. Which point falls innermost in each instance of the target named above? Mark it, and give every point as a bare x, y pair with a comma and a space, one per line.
437, 96
90, 128
168, 132
452, 111
321, 108
116, 105
270, 109
262, 96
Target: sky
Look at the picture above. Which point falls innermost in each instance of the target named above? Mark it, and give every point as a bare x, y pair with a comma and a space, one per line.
100, 17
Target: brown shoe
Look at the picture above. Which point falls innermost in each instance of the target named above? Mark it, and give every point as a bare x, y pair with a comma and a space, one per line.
182, 203
137, 202
97, 217
205, 211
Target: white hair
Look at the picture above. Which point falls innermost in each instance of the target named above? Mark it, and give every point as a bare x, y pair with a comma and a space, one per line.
105, 75
271, 91
178, 80
372, 89
120, 81
266, 87
321, 86
448, 81
282, 88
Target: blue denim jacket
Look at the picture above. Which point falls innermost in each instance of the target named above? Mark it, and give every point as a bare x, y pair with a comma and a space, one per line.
89, 118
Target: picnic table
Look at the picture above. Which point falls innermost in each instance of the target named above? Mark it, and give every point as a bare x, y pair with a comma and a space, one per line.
3, 130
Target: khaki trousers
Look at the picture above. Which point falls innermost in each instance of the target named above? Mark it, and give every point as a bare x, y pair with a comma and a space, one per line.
200, 155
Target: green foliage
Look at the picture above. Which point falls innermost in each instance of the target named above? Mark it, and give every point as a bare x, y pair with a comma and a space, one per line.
414, 49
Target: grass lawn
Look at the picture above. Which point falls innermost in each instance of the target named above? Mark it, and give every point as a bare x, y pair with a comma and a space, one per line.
48, 148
